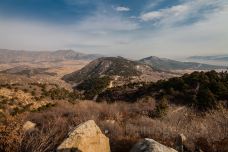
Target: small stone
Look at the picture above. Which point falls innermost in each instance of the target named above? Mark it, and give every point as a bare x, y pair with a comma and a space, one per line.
29, 126
150, 145
181, 139
106, 131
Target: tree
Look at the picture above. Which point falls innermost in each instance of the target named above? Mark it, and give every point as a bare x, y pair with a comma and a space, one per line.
161, 108
205, 99
93, 86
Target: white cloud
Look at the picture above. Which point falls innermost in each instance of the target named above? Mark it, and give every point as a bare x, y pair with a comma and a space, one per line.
107, 23
209, 36
152, 4
122, 9
164, 13
113, 34
95, 33
152, 16
178, 10
183, 12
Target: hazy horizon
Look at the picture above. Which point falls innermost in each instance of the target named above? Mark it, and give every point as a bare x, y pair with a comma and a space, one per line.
134, 29
180, 58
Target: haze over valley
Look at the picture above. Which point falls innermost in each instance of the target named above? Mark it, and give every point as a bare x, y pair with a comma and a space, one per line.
113, 76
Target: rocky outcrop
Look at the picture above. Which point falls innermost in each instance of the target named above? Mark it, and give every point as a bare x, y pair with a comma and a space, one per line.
86, 137
150, 145
28, 126
180, 142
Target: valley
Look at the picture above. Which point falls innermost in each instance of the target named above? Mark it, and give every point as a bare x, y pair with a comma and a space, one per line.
113, 76
129, 100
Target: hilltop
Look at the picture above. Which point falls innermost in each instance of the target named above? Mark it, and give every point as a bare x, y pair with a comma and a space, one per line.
117, 67
108, 72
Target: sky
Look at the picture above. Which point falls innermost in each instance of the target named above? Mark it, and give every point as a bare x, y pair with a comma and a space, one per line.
129, 28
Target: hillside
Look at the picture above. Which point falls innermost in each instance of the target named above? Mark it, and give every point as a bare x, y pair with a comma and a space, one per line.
27, 71
212, 57
116, 67
167, 105
168, 64
203, 90
9, 56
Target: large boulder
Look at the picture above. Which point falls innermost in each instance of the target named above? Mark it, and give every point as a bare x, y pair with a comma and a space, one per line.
86, 137
150, 145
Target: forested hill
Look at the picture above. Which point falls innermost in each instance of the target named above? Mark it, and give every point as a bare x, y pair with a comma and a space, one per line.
203, 90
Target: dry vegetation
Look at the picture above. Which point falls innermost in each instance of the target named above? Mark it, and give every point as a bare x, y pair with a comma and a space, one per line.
123, 123
60, 67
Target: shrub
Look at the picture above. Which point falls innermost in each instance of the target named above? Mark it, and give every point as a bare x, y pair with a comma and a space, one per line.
204, 90
161, 109
44, 107
25, 90
33, 93
16, 89
205, 99
18, 110
61, 94
93, 86
11, 134
125, 122
2, 118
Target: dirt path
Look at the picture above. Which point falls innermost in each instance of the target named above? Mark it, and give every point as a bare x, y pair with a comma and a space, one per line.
177, 110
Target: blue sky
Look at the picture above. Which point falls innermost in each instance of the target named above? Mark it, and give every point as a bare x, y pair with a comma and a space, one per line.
131, 28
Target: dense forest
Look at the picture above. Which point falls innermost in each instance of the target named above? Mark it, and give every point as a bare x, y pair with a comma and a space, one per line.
203, 90
93, 86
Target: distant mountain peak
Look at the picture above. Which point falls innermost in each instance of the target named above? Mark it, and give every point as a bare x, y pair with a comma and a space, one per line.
112, 66
65, 51
211, 57
7, 56
168, 64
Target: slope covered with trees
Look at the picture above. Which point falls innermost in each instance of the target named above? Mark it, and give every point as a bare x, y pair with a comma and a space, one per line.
108, 66
203, 90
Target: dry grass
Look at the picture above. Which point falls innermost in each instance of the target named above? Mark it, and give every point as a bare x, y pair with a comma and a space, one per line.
125, 124
10, 134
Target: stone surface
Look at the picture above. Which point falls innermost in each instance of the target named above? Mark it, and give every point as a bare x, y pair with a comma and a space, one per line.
28, 126
180, 142
150, 145
86, 137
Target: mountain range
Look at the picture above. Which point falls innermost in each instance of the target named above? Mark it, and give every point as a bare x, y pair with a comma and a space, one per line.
14, 56
212, 57
9, 56
168, 64
117, 67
